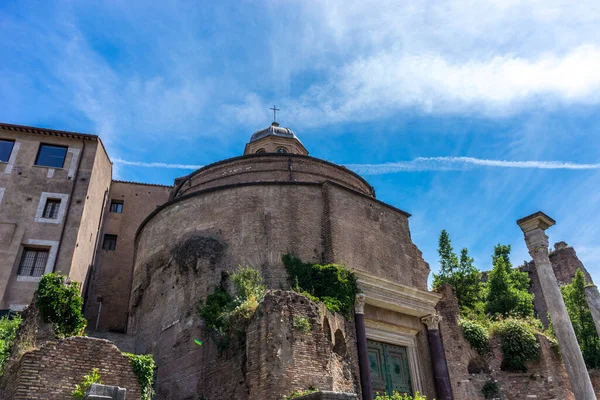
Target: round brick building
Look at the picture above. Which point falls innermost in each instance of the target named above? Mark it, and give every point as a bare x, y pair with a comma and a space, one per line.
249, 211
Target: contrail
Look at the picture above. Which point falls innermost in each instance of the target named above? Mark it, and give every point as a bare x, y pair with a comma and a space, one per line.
156, 164
417, 164
461, 163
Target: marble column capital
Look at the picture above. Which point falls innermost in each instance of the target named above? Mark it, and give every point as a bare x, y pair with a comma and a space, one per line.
359, 303
432, 321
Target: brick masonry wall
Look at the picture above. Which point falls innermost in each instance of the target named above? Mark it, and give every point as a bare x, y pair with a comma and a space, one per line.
545, 379
185, 249
272, 167
52, 371
281, 358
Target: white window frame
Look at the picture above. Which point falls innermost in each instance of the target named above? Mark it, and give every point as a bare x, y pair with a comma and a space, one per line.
53, 248
61, 210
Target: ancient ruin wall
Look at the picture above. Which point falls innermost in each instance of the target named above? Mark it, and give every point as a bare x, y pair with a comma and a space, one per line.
545, 379
52, 371
564, 263
282, 358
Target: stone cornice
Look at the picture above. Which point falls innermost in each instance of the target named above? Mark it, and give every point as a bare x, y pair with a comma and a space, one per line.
394, 296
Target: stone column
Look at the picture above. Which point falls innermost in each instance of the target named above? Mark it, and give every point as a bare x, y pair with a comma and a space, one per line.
593, 299
361, 344
533, 227
438, 357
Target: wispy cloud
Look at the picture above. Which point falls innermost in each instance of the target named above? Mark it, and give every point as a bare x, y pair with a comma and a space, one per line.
417, 164
118, 161
461, 163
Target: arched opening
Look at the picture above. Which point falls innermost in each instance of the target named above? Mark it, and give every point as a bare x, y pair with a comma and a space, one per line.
281, 150
327, 329
339, 347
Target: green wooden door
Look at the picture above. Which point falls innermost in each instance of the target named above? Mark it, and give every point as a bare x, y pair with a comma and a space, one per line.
389, 368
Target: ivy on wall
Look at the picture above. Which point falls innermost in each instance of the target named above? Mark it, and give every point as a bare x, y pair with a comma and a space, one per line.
332, 284
8, 334
60, 303
143, 367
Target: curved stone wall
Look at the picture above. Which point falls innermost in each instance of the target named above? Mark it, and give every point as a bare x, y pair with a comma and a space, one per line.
184, 248
270, 167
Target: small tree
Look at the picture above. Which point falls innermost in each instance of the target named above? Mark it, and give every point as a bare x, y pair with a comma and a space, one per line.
461, 274
508, 288
581, 318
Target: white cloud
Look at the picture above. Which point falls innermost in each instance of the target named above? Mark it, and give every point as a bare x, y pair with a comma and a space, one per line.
418, 164
118, 161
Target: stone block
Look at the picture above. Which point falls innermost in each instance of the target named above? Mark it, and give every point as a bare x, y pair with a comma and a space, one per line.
325, 395
97, 392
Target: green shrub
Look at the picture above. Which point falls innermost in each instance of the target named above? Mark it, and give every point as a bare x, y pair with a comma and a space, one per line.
8, 333
302, 324
299, 393
88, 380
476, 334
519, 344
143, 367
224, 314
400, 396
490, 389
332, 284
60, 303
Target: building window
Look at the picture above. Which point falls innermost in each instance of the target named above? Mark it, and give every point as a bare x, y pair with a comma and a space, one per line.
33, 262
260, 151
281, 150
116, 206
110, 242
6, 147
51, 156
51, 209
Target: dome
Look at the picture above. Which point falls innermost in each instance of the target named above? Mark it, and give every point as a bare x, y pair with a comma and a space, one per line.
274, 130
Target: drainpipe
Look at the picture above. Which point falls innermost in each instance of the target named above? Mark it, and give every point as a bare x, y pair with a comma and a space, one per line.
69, 201
361, 344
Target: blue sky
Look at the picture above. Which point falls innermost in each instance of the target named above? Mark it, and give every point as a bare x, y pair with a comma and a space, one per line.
468, 115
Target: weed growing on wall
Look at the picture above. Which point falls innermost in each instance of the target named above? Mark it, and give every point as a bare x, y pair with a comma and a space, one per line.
299, 393
143, 367
88, 380
302, 324
400, 396
332, 284
224, 314
490, 390
8, 333
60, 303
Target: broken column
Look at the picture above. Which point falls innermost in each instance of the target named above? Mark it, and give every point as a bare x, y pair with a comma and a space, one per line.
593, 299
533, 227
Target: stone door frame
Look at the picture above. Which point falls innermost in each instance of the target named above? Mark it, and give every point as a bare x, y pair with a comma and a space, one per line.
392, 334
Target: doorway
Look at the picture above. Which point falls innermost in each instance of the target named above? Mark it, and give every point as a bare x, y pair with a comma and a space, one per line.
389, 368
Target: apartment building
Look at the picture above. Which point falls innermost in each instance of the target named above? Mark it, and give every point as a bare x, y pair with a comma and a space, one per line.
60, 211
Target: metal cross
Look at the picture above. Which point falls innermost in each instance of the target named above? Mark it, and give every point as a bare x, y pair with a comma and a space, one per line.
275, 109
